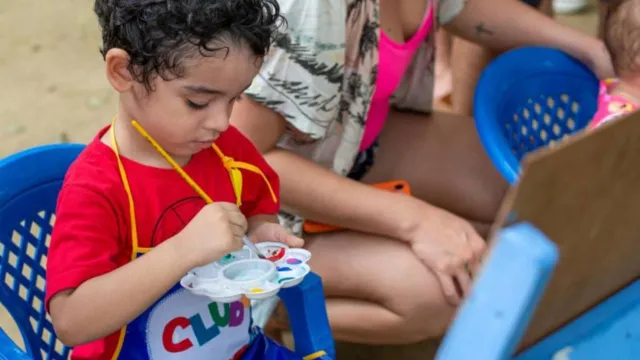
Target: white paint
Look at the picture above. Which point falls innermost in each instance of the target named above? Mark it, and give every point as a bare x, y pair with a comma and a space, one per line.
563, 354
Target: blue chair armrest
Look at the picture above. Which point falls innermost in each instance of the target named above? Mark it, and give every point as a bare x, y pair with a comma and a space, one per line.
9, 350
491, 322
307, 311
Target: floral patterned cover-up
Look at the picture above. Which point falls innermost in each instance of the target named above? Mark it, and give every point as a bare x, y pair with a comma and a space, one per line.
321, 75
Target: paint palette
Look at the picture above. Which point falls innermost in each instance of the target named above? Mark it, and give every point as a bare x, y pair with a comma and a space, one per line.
242, 273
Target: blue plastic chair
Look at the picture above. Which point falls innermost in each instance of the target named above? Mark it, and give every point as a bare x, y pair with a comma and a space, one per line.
29, 185
528, 98
491, 322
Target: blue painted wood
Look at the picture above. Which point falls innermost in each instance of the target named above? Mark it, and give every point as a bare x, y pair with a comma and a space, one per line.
491, 322
610, 330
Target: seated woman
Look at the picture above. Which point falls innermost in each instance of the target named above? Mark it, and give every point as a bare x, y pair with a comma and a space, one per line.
325, 110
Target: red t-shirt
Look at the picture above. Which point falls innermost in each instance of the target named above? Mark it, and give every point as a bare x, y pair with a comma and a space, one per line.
92, 233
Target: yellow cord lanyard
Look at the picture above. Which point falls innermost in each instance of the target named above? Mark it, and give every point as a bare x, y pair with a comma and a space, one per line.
232, 166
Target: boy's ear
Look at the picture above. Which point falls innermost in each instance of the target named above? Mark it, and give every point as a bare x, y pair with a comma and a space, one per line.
118, 74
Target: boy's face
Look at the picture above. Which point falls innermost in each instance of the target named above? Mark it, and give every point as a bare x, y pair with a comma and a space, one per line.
186, 114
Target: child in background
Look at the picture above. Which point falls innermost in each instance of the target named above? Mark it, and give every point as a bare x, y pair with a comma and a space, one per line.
621, 96
179, 67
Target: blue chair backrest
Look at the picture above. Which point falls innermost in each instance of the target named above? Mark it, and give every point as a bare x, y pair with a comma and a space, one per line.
492, 320
528, 98
29, 186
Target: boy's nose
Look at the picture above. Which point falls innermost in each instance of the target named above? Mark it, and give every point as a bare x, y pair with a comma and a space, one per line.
217, 121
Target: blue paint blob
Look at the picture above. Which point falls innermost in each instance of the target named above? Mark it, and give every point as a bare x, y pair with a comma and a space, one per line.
284, 269
227, 259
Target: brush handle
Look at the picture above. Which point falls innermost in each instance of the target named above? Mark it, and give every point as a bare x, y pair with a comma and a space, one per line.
252, 247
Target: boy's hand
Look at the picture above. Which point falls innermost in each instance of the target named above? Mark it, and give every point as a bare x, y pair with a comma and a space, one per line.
262, 231
215, 231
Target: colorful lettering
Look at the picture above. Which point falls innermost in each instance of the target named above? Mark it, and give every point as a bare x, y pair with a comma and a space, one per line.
220, 320
232, 316
169, 330
237, 314
203, 334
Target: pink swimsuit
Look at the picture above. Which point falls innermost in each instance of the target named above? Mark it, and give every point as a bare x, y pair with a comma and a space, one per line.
611, 106
393, 60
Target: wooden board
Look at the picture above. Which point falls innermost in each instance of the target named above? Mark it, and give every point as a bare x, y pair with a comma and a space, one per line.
584, 194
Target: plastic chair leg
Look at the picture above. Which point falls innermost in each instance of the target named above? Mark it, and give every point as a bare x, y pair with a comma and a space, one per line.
309, 322
9, 350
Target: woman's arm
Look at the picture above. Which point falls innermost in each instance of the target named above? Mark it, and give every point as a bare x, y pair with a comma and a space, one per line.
504, 24
443, 242
319, 194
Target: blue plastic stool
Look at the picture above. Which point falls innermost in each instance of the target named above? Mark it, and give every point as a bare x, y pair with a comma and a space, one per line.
29, 185
528, 98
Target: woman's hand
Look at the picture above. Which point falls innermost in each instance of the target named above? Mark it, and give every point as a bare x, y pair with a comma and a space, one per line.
449, 246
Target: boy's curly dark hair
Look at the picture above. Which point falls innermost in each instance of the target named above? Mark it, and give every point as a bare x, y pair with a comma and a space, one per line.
158, 34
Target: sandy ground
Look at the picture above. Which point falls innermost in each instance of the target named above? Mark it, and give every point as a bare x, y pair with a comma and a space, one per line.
51, 74
52, 85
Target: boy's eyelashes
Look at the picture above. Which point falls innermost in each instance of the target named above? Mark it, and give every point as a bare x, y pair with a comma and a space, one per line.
198, 106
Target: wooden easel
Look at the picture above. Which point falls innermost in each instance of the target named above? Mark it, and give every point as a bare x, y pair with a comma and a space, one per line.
584, 194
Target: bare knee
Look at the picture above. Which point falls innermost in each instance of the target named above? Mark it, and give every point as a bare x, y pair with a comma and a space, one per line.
388, 274
420, 303
425, 318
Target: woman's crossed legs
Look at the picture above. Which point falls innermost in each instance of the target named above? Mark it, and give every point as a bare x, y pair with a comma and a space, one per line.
378, 291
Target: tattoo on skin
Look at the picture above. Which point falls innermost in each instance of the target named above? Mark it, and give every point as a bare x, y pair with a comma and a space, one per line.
481, 29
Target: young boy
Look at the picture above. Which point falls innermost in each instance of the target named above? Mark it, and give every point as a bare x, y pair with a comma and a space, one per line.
178, 67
